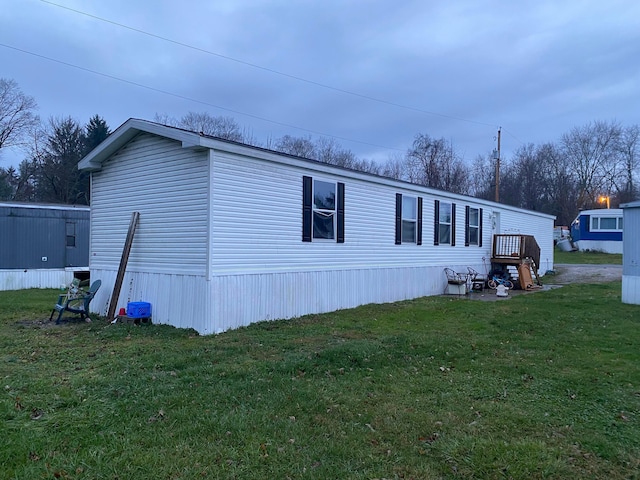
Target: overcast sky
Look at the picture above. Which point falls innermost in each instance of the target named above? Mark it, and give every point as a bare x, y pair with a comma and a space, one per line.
372, 74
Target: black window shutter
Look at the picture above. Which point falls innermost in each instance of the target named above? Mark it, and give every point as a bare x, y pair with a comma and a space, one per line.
307, 212
419, 225
453, 224
398, 218
480, 229
340, 219
466, 226
436, 223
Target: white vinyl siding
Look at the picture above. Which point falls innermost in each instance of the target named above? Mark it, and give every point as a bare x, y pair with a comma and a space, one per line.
257, 223
168, 185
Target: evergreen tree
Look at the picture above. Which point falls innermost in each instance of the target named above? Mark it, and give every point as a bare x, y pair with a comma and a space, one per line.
58, 178
96, 131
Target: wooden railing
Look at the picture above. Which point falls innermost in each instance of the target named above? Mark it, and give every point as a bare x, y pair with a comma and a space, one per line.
513, 249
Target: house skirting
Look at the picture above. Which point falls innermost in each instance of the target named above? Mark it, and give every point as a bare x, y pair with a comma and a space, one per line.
606, 246
230, 301
19, 279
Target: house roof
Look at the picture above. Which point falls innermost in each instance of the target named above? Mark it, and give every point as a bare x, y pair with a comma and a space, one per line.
126, 132
47, 206
132, 127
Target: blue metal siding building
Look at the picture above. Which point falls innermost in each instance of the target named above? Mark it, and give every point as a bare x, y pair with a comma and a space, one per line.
598, 230
42, 238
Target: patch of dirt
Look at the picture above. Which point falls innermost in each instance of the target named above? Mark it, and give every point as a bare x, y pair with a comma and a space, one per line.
46, 323
567, 274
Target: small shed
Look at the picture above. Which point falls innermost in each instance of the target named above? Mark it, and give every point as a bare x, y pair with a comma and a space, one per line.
631, 253
42, 245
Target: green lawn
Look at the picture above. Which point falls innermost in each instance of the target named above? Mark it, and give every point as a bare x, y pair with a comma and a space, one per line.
587, 257
543, 385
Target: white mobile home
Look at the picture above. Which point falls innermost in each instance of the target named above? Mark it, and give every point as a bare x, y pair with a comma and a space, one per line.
231, 234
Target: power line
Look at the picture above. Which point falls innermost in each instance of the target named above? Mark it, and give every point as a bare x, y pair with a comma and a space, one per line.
513, 136
184, 97
266, 69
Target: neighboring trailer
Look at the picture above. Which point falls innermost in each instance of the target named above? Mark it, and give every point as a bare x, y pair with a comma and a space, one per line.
231, 234
598, 230
41, 245
631, 253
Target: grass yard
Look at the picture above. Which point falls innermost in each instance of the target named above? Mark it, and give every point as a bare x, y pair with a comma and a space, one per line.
587, 257
543, 385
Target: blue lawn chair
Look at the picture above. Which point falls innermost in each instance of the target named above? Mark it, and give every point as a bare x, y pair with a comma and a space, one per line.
75, 302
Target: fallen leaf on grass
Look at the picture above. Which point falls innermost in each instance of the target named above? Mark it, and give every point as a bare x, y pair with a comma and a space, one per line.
158, 416
36, 414
430, 439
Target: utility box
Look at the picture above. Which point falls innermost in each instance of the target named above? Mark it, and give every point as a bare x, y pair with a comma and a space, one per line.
456, 289
631, 252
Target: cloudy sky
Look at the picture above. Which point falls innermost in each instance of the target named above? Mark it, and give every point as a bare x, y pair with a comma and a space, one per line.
372, 74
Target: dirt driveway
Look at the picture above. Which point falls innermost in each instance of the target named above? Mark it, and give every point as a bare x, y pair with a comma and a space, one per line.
567, 274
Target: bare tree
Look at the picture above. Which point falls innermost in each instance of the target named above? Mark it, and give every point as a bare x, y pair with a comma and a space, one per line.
17, 115
221, 127
368, 166
165, 119
629, 146
434, 163
328, 150
592, 152
558, 183
527, 174
393, 167
324, 149
298, 146
482, 177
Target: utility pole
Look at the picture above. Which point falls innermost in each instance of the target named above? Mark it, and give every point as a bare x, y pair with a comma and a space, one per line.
497, 158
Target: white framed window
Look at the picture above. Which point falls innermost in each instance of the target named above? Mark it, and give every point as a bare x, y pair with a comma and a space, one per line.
409, 219
606, 224
474, 226
324, 210
445, 222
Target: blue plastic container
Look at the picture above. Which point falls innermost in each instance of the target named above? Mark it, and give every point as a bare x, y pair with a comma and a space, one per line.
138, 309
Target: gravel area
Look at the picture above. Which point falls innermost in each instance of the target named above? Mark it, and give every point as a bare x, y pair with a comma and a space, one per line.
568, 273
565, 274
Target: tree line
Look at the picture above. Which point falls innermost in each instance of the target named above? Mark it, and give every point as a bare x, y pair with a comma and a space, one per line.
49, 173
599, 159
